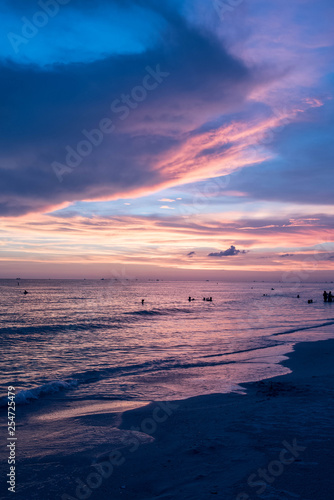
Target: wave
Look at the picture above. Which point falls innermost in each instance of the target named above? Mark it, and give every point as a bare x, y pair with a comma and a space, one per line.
160, 365
27, 395
92, 376
302, 328
26, 330
109, 323
158, 312
241, 351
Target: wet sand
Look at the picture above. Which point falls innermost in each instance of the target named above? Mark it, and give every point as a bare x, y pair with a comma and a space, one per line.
274, 442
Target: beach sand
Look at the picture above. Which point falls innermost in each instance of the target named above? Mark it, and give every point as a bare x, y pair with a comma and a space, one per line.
276, 441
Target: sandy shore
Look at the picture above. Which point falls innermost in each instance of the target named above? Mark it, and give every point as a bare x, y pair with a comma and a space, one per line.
274, 442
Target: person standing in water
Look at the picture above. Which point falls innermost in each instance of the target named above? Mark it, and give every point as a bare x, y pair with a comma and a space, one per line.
330, 297
325, 296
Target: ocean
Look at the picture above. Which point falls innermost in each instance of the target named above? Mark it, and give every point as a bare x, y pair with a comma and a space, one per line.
94, 340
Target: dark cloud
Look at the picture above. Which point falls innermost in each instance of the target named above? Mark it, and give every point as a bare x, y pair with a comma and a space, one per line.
287, 255
45, 109
227, 253
191, 254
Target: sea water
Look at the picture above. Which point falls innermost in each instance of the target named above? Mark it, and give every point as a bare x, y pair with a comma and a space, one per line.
91, 339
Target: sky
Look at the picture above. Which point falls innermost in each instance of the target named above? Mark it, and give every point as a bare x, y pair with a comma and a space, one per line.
167, 139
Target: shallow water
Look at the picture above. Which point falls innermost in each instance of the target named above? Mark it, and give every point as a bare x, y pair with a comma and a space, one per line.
95, 340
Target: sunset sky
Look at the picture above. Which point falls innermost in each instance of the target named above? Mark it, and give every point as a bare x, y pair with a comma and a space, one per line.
171, 139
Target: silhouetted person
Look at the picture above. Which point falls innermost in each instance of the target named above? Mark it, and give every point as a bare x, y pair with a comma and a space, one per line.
210, 299
142, 301
25, 292
298, 296
189, 299
325, 294
330, 297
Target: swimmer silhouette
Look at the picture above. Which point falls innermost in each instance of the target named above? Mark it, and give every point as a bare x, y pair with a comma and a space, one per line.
25, 292
142, 301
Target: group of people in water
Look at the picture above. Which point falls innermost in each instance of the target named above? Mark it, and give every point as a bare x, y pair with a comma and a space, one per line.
208, 299
328, 297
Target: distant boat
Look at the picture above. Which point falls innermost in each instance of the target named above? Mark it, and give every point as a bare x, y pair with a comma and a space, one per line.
102, 279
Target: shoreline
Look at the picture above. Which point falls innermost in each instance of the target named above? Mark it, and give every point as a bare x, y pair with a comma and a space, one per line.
285, 416
206, 445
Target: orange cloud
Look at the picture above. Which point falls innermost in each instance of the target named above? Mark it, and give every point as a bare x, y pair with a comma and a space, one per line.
167, 241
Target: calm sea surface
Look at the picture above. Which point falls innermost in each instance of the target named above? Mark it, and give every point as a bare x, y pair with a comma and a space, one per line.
94, 339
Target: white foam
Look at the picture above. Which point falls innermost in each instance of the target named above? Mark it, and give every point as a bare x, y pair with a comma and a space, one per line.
27, 395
